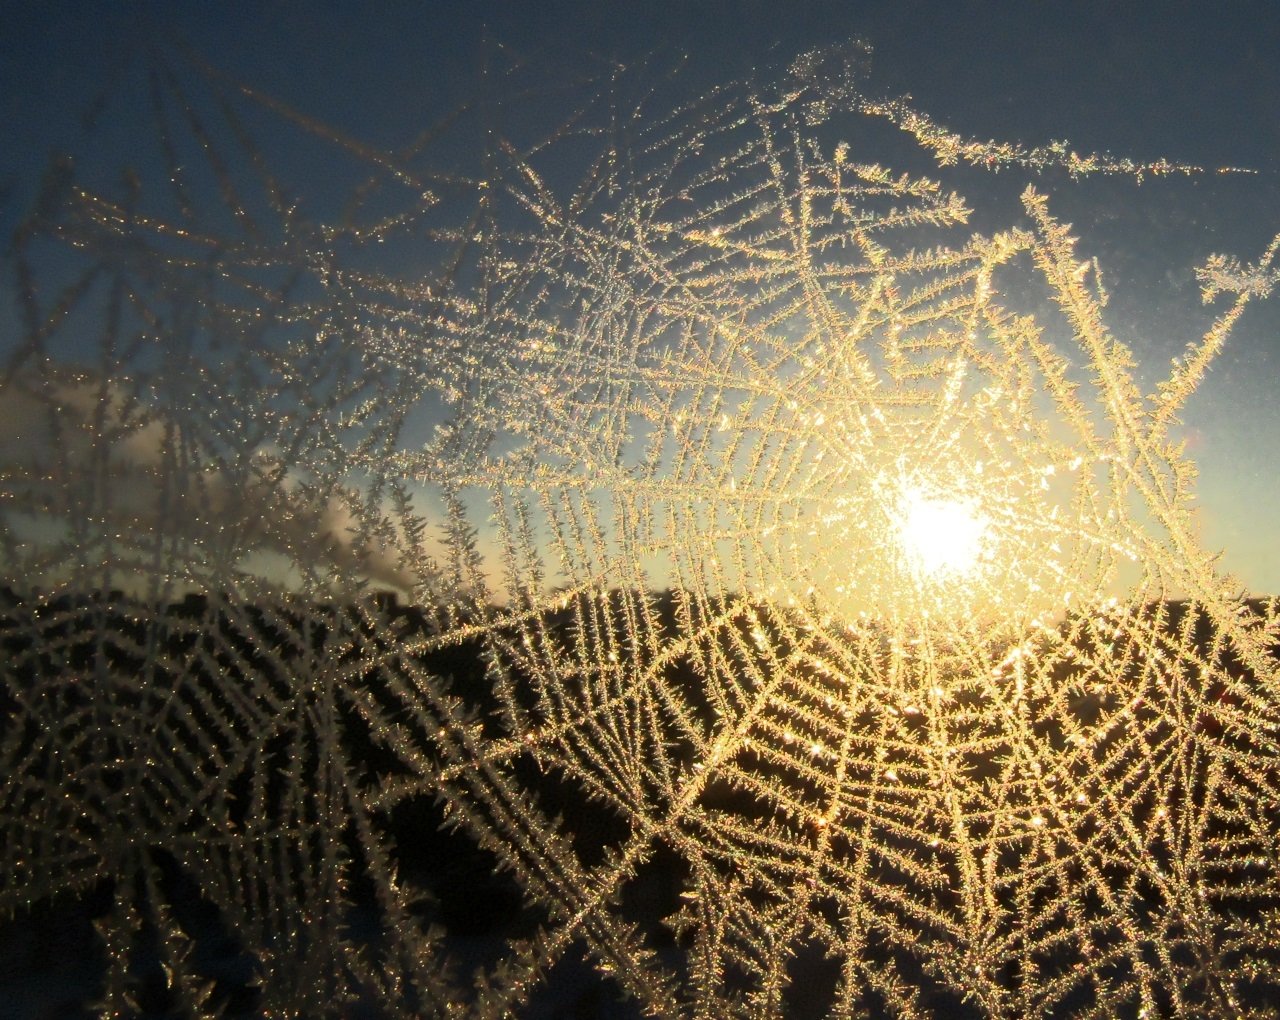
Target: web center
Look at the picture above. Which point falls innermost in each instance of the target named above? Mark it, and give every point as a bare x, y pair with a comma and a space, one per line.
940, 537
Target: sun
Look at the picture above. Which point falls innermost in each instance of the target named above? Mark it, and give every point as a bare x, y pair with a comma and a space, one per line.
941, 537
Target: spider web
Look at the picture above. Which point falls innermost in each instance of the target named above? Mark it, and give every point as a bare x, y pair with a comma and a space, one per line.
632, 438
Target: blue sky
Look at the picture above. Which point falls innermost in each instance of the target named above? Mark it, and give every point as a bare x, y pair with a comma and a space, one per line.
1190, 81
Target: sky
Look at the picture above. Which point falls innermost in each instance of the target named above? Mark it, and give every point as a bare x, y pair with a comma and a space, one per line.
1193, 82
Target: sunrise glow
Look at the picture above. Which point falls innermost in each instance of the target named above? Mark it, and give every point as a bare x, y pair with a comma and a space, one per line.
942, 537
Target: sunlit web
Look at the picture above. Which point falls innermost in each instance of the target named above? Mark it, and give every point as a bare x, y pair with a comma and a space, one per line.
788, 600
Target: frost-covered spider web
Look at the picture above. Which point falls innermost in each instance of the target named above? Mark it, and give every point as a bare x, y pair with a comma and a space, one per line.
653, 418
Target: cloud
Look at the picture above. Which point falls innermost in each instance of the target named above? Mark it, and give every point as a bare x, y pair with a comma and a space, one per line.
95, 479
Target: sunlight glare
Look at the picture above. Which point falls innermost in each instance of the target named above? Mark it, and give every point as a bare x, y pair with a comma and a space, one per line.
941, 536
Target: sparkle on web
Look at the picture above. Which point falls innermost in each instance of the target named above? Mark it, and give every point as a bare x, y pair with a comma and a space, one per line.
762, 545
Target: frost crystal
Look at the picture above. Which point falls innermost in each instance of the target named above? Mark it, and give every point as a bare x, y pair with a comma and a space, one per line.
784, 612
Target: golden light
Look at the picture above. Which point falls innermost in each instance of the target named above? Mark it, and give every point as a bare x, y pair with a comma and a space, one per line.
942, 537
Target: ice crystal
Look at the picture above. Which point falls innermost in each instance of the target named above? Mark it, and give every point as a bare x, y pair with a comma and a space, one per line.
656, 457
